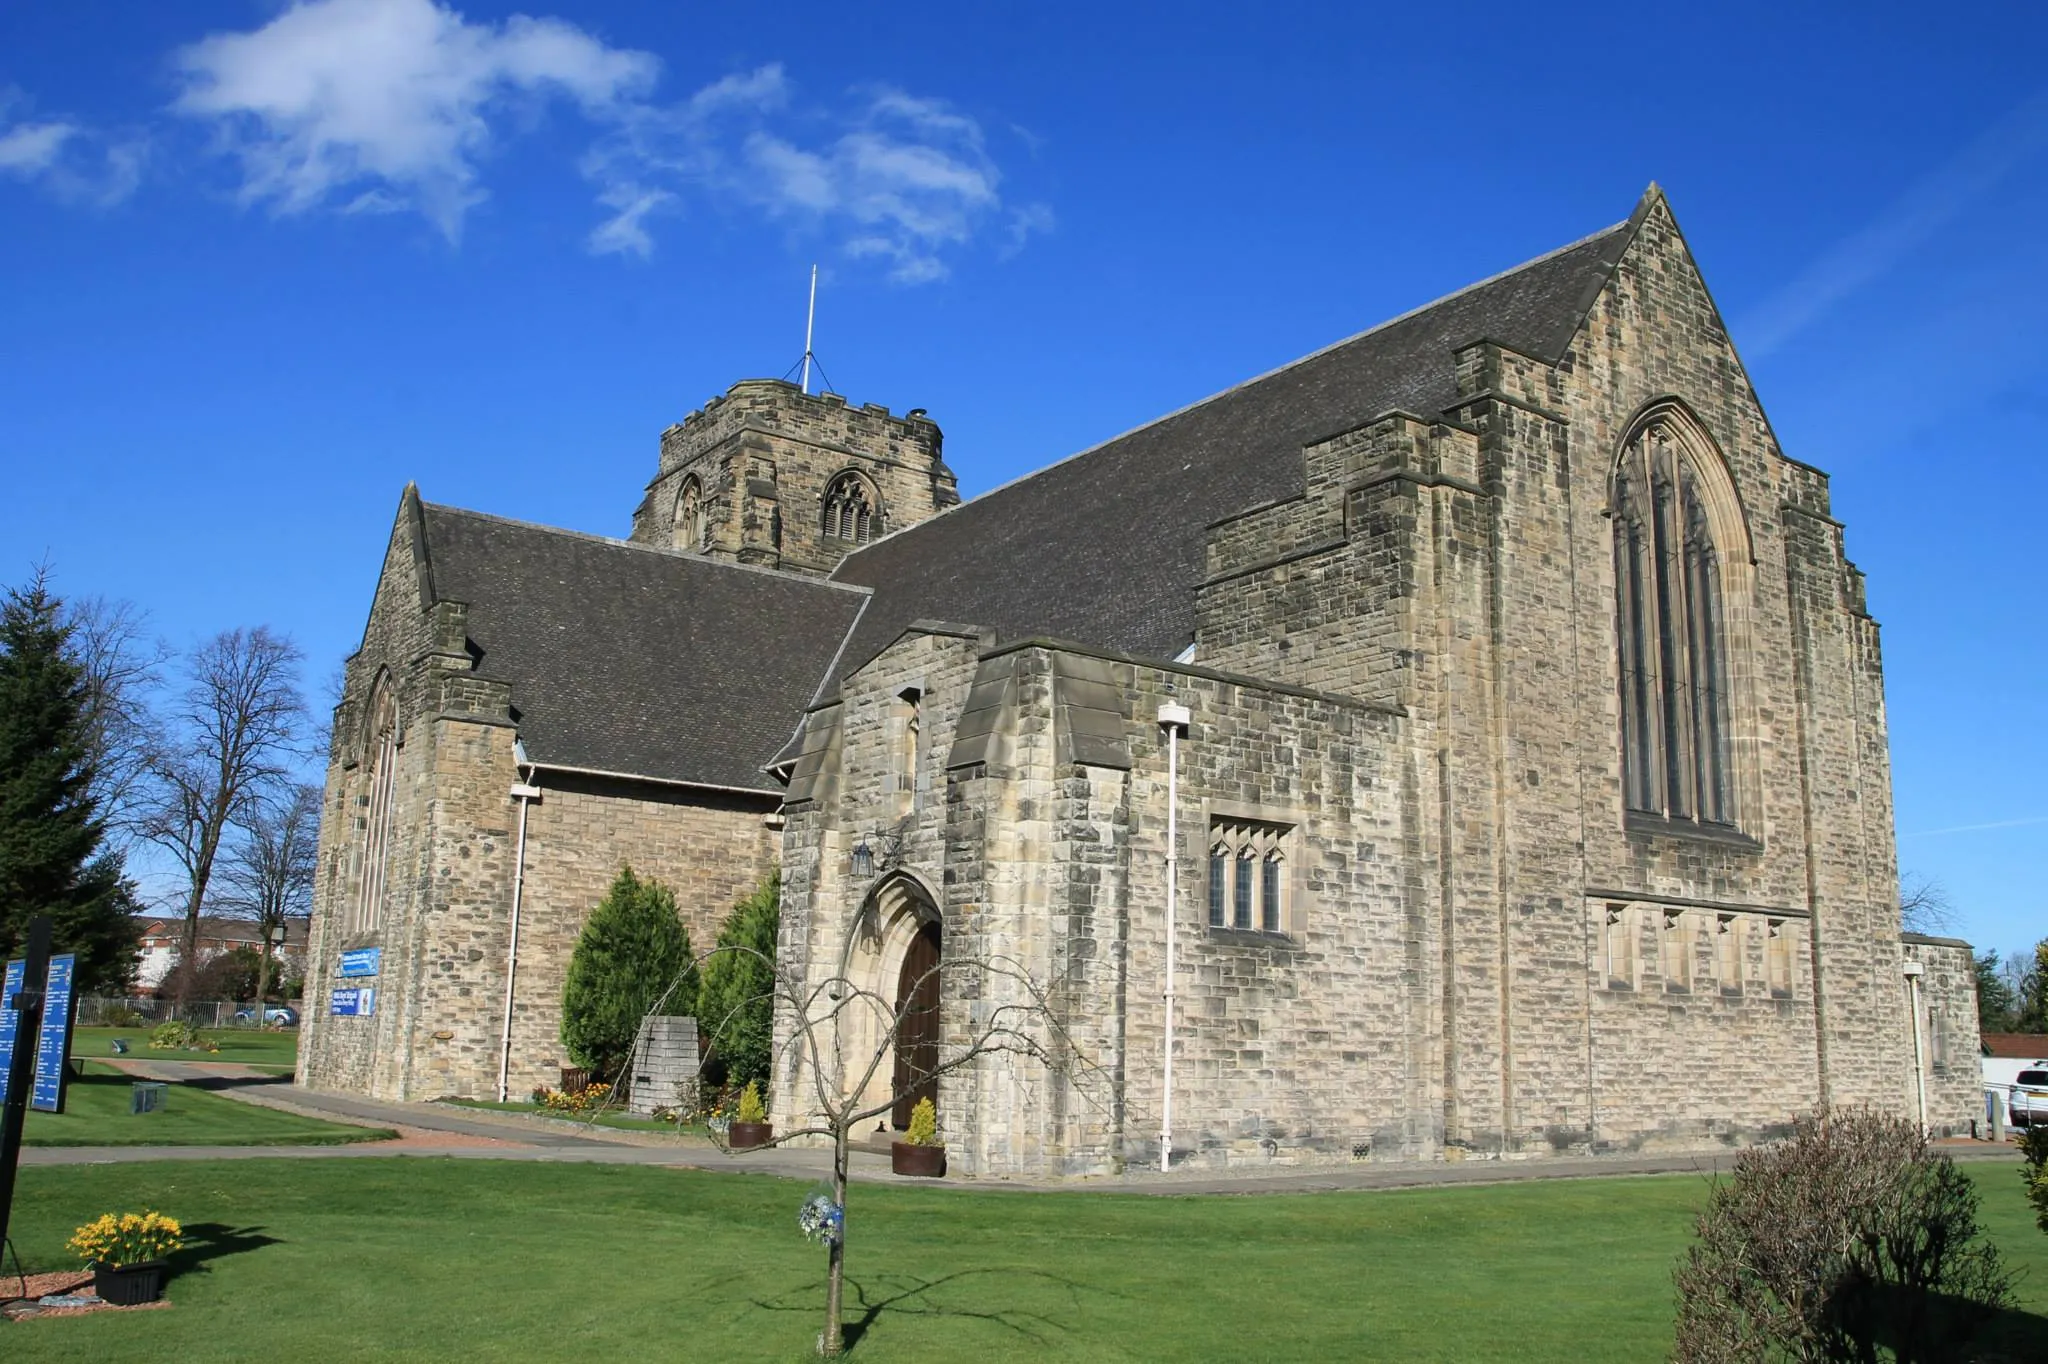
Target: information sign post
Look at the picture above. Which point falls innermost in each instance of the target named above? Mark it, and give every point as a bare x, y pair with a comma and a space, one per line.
10, 1021
24, 1003
53, 1038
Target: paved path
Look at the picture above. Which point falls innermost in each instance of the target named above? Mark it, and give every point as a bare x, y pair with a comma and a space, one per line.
516, 1137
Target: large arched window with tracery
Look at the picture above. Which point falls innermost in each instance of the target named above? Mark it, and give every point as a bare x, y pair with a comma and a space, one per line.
1672, 623
380, 753
851, 508
690, 525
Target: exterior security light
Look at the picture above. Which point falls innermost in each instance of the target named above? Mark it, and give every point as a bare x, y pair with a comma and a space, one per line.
863, 859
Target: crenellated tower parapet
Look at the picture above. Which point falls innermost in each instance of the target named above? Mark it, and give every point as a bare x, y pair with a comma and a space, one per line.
768, 475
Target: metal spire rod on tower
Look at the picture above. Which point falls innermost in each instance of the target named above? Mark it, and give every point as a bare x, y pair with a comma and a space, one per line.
810, 321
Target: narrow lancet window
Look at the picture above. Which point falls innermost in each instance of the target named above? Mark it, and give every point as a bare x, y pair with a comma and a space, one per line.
381, 747
1672, 632
691, 528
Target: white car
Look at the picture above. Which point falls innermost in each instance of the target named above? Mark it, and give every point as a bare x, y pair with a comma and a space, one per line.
2030, 1097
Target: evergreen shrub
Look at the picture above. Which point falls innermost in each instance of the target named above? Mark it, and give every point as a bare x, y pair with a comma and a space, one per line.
632, 955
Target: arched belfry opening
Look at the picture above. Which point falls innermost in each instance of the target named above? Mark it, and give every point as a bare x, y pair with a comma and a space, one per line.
893, 957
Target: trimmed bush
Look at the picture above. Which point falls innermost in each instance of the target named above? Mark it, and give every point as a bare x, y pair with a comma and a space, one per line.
924, 1125
1848, 1241
2034, 1147
631, 952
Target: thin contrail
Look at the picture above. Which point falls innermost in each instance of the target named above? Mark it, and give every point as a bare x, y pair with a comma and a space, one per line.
1974, 828
1907, 222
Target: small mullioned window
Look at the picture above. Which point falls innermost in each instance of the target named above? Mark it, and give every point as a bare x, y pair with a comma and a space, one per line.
1248, 875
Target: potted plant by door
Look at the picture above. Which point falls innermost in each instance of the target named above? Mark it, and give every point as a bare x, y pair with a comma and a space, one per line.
127, 1255
750, 1126
920, 1152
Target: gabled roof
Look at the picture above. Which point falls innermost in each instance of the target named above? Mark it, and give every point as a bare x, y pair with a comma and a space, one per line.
214, 928
1106, 548
629, 659
2026, 1046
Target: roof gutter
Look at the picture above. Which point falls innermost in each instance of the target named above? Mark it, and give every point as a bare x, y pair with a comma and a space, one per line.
652, 781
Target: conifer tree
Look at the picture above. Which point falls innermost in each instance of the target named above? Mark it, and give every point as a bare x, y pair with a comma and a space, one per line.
633, 949
736, 1007
50, 834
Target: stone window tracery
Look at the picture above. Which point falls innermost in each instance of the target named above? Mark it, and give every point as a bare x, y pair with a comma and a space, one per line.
850, 508
380, 749
1247, 875
1672, 628
692, 528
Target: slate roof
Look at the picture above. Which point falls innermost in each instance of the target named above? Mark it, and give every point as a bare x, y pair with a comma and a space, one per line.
1106, 548
624, 658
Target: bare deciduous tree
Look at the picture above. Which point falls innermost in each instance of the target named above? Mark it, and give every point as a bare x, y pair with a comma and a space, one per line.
231, 739
1923, 904
124, 667
267, 875
844, 1039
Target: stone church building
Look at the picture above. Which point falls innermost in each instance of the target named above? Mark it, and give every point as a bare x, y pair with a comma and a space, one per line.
1512, 702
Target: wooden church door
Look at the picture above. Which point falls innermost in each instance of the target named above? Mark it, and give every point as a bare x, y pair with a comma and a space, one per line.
917, 1037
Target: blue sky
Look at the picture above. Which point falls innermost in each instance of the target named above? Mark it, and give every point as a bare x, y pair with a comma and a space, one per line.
260, 265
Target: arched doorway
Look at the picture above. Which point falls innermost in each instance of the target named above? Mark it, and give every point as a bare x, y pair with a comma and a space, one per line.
891, 958
917, 1031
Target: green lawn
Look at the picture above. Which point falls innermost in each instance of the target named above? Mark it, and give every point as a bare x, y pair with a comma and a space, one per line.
259, 1047
96, 1114
474, 1260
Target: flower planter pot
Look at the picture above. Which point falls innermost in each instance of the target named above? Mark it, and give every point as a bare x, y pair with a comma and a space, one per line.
928, 1162
745, 1136
129, 1285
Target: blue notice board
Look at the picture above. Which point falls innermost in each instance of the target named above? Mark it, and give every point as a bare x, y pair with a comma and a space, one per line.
9, 1021
53, 1041
360, 961
357, 1001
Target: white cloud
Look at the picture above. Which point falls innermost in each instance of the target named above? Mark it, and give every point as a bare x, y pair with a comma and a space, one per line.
389, 101
67, 159
29, 149
896, 177
386, 106
625, 232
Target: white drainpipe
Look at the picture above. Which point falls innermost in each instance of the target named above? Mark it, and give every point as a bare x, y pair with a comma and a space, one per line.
1913, 968
525, 794
1173, 719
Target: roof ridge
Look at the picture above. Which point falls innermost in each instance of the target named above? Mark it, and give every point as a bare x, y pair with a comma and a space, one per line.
663, 551
1377, 327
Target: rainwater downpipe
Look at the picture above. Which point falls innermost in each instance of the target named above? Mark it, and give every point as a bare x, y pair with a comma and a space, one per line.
1913, 968
1173, 719
525, 793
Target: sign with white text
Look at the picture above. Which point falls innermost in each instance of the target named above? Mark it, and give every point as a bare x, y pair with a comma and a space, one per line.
360, 961
9, 1020
53, 1039
356, 1001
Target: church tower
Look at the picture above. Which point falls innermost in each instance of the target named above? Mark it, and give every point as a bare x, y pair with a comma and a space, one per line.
771, 476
